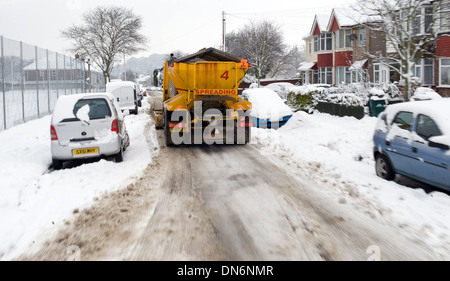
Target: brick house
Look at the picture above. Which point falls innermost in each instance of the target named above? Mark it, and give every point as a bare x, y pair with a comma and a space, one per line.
336, 51
442, 57
337, 47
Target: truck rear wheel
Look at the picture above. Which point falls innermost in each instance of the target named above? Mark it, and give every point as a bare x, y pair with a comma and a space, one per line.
247, 134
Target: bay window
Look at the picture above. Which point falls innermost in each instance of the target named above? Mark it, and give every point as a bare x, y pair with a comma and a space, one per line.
424, 70
444, 70
343, 38
326, 75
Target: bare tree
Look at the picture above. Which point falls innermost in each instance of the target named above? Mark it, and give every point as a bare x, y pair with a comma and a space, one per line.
129, 75
261, 43
409, 26
106, 33
177, 54
287, 64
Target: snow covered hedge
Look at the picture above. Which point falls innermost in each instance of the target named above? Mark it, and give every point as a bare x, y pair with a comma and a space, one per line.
306, 98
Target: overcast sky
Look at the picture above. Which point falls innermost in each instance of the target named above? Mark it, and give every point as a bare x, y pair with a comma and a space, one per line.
169, 24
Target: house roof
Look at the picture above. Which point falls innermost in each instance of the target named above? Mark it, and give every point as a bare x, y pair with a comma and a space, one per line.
305, 66
357, 65
345, 17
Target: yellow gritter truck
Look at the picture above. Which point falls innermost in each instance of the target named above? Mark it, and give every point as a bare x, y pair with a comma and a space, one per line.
201, 102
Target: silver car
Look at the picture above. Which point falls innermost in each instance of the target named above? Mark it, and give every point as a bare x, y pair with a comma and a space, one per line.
87, 126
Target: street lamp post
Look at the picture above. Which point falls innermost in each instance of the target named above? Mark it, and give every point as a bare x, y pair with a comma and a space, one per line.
89, 75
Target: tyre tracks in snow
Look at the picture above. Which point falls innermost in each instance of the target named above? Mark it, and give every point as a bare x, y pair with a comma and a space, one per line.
228, 203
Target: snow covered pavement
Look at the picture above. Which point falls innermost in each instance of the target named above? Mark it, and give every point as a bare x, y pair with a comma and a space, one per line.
335, 154
35, 202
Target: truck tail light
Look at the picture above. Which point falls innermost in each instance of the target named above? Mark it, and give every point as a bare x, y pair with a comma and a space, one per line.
243, 123
176, 125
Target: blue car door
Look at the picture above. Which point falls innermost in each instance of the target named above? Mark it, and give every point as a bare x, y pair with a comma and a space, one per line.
398, 143
431, 165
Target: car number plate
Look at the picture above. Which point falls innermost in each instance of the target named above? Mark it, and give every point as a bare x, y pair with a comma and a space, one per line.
85, 151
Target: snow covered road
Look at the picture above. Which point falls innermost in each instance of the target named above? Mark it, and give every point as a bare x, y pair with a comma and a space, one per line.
232, 203
304, 192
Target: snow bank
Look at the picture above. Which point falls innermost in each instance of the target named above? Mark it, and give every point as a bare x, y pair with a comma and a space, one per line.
266, 104
424, 93
34, 202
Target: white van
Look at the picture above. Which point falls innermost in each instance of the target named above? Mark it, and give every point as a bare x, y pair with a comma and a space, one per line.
125, 93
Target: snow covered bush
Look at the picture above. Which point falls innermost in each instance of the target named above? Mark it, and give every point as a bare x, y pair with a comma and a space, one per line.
248, 78
348, 99
367, 90
306, 98
424, 93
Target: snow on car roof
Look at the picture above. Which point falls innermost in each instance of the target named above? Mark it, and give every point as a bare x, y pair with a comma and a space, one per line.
267, 104
111, 86
64, 105
438, 110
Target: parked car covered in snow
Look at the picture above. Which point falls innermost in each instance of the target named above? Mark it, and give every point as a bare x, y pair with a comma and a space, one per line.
268, 109
86, 126
413, 139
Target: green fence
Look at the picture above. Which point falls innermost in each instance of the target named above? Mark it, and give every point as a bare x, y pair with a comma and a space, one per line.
341, 110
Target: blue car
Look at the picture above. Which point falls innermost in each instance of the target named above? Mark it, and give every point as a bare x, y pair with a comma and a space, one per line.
413, 139
268, 109
266, 123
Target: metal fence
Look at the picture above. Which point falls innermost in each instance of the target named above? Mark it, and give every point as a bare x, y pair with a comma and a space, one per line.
32, 79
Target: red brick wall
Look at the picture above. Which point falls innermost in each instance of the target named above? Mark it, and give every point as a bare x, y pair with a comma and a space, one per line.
445, 92
343, 58
325, 60
443, 46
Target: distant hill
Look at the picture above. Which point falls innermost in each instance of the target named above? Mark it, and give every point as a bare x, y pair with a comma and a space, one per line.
143, 65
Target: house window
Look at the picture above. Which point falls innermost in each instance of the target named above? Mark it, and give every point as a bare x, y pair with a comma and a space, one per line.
423, 22
428, 70
424, 70
316, 43
428, 19
316, 77
376, 73
343, 38
362, 36
326, 42
53, 73
359, 75
342, 75
380, 73
445, 72
329, 40
326, 75
310, 46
